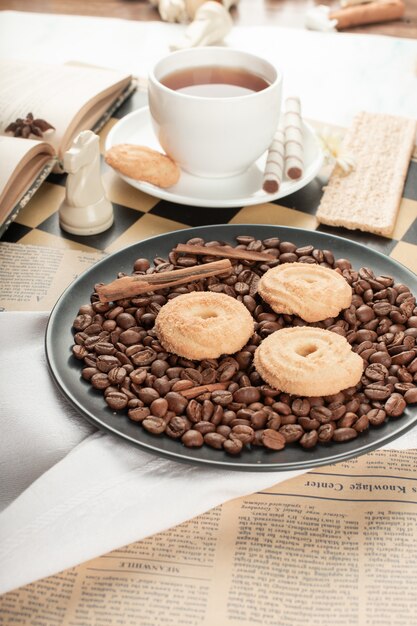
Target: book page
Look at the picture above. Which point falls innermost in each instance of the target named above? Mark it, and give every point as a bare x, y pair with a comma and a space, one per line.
334, 547
33, 277
57, 93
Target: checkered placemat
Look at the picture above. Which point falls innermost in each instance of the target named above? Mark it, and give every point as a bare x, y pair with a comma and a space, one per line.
139, 216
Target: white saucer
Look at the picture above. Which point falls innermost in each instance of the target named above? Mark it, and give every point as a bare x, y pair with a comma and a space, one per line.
242, 190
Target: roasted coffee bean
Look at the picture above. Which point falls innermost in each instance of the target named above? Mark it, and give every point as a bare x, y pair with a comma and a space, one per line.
347, 420
192, 439
344, 434
222, 397
338, 410
204, 427
273, 440
105, 363
181, 385
148, 395
300, 407
403, 358
410, 395
116, 400
138, 414
247, 395
88, 372
80, 352
377, 391
194, 411
320, 414
100, 381
176, 402
376, 372
282, 408
244, 433
309, 440
154, 425
214, 440
365, 313
361, 424
159, 407
117, 375
288, 419
233, 446
291, 432
395, 405
259, 419
325, 432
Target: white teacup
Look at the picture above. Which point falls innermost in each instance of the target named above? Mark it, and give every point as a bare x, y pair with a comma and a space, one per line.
217, 134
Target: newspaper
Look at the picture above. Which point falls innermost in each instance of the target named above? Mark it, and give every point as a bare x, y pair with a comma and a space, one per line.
334, 547
33, 277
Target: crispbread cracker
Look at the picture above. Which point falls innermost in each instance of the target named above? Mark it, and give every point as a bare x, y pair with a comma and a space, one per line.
143, 163
368, 198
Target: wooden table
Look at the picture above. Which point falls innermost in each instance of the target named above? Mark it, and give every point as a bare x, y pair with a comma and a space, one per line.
249, 12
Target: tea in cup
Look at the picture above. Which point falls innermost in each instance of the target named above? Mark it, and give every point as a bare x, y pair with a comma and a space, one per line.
214, 110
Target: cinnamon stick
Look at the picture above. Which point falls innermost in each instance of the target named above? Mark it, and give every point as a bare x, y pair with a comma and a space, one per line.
224, 251
129, 286
196, 391
380, 11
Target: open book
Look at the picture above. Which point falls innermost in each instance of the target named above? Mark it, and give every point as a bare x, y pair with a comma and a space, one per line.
71, 98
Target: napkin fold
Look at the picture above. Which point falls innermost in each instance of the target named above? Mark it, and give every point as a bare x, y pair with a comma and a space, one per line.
71, 493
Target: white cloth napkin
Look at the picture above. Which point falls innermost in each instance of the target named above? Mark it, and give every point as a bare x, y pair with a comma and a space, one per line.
72, 493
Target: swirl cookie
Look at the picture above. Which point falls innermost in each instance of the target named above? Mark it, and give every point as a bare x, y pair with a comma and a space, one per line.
312, 292
308, 361
203, 325
142, 163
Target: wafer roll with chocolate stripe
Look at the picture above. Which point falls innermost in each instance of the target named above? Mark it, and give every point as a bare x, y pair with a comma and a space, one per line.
294, 158
274, 163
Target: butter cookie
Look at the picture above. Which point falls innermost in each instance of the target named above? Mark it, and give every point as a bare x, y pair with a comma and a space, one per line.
142, 163
308, 361
310, 291
203, 325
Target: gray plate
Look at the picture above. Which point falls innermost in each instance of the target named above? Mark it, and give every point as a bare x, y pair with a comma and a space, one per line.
90, 403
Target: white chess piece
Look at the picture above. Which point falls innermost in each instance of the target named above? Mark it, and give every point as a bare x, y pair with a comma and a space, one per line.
212, 22
85, 210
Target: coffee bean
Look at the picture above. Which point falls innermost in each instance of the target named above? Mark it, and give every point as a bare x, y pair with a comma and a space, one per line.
376, 372
291, 432
176, 402
247, 395
214, 440
273, 440
148, 395
376, 417
361, 424
204, 427
395, 405
321, 414
233, 446
344, 434
377, 391
244, 433
300, 407
116, 400
325, 432
222, 397
410, 396
309, 440
192, 439
194, 411
154, 425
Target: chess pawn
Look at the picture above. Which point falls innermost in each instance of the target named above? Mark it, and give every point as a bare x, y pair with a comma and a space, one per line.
85, 210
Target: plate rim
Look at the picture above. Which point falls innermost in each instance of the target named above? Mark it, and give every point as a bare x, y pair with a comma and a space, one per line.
181, 456
254, 199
